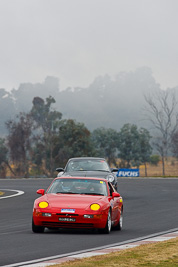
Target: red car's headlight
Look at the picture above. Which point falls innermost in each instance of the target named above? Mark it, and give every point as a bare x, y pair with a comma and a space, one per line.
95, 207
43, 205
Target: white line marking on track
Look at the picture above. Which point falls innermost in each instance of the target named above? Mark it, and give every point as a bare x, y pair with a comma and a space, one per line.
87, 254
17, 193
44, 262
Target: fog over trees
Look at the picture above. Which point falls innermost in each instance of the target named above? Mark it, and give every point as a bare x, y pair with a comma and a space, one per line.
127, 116
108, 102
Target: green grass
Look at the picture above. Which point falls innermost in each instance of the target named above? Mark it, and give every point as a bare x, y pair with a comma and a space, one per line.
161, 254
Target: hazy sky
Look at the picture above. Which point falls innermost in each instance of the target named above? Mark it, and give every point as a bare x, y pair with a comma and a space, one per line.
78, 40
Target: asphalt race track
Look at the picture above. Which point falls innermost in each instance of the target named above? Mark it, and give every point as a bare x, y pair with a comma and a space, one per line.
150, 206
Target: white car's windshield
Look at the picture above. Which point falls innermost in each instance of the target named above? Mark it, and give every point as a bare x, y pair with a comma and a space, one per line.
78, 186
87, 165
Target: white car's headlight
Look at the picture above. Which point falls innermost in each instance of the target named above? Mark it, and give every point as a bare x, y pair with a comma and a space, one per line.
110, 178
60, 174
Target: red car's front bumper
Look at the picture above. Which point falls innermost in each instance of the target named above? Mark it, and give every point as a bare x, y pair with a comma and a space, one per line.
58, 220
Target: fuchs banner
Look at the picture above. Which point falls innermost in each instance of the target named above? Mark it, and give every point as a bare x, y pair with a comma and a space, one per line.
128, 173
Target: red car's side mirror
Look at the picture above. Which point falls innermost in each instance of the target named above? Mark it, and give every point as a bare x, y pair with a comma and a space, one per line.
115, 194
40, 191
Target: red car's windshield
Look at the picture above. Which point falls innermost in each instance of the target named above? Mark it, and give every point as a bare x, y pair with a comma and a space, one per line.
78, 186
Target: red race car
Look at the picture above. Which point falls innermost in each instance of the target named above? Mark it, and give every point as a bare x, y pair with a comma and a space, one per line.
78, 202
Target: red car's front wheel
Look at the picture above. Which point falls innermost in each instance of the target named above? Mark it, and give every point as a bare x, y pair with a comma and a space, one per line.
36, 228
107, 228
120, 223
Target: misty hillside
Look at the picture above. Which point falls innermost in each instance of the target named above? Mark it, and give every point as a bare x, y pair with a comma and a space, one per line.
108, 102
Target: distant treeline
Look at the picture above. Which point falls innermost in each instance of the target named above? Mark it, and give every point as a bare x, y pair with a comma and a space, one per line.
106, 102
39, 141
41, 126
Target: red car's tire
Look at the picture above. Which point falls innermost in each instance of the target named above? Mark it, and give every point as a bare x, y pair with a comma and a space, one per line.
107, 228
36, 228
120, 223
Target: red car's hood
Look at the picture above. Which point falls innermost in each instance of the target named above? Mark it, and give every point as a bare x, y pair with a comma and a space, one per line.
71, 201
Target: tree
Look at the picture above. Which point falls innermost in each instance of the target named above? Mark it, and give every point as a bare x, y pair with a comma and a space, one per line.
154, 159
145, 147
6, 100
161, 112
106, 142
129, 146
73, 141
3, 157
133, 146
4, 163
19, 142
174, 144
47, 123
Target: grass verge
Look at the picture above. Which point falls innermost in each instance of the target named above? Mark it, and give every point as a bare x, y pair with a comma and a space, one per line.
151, 255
